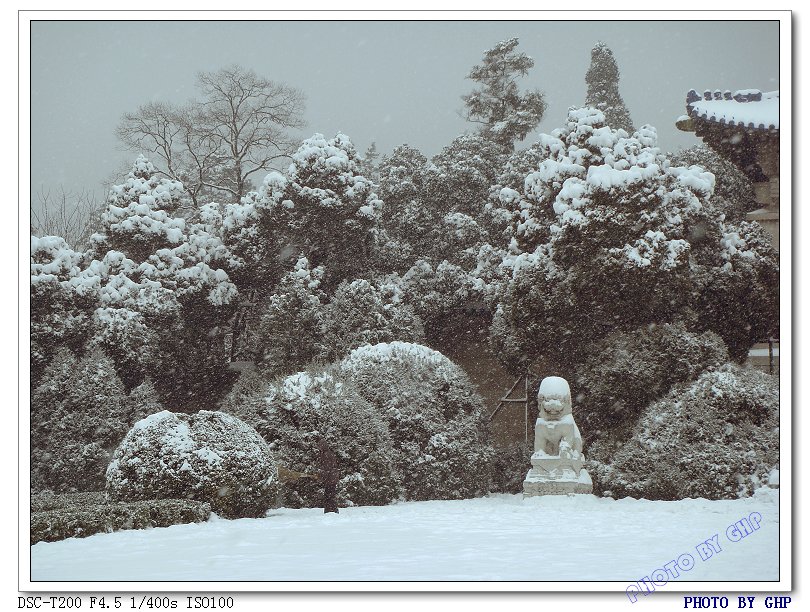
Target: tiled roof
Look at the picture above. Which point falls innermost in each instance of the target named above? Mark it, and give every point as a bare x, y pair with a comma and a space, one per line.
747, 108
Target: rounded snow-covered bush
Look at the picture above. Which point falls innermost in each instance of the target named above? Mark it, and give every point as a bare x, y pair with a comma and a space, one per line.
628, 370
435, 417
716, 437
209, 456
295, 413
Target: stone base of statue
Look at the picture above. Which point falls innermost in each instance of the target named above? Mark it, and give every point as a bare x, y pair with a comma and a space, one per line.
556, 476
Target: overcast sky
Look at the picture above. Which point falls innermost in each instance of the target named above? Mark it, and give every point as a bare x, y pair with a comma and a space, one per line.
389, 82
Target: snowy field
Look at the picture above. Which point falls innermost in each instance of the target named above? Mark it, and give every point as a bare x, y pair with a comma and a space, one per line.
501, 537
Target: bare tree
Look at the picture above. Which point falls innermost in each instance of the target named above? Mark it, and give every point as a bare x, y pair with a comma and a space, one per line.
238, 128
64, 213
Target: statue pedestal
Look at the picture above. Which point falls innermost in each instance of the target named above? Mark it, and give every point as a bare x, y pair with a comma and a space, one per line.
554, 475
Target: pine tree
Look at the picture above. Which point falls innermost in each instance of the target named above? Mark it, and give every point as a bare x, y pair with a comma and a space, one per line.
504, 114
369, 166
603, 89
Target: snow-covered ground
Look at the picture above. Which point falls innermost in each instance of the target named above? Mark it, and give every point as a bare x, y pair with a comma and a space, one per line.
501, 537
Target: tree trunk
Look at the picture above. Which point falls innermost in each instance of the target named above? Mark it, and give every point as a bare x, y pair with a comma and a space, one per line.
329, 476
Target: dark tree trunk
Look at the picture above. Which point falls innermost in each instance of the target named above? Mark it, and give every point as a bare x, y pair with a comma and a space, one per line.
329, 476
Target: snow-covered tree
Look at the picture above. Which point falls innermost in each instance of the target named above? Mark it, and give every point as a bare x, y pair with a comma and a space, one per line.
461, 174
504, 114
603, 94
605, 234
361, 313
138, 220
185, 297
144, 400
370, 166
406, 218
291, 325
79, 413
126, 336
733, 191
324, 207
153, 292
436, 291
60, 317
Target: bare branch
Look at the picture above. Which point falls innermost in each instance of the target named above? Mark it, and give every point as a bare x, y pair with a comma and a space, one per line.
64, 213
238, 128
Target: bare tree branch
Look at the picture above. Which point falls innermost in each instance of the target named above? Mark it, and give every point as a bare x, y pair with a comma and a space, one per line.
64, 213
238, 128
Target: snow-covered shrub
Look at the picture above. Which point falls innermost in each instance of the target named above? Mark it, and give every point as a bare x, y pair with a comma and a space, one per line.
79, 413
510, 465
79, 515
48, 500
716, 437
628, 370
294, 413
362, 312
435, 417
208, 456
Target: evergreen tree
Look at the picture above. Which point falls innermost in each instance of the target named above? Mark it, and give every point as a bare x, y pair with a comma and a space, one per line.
606, 235
290, 329
733, 191
504, 114
79, 413
152, 292
60, 316
324, 207
369, 165
603, 89
407, 220
362, 313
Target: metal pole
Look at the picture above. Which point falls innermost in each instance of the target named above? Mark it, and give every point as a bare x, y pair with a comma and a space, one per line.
526, 406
